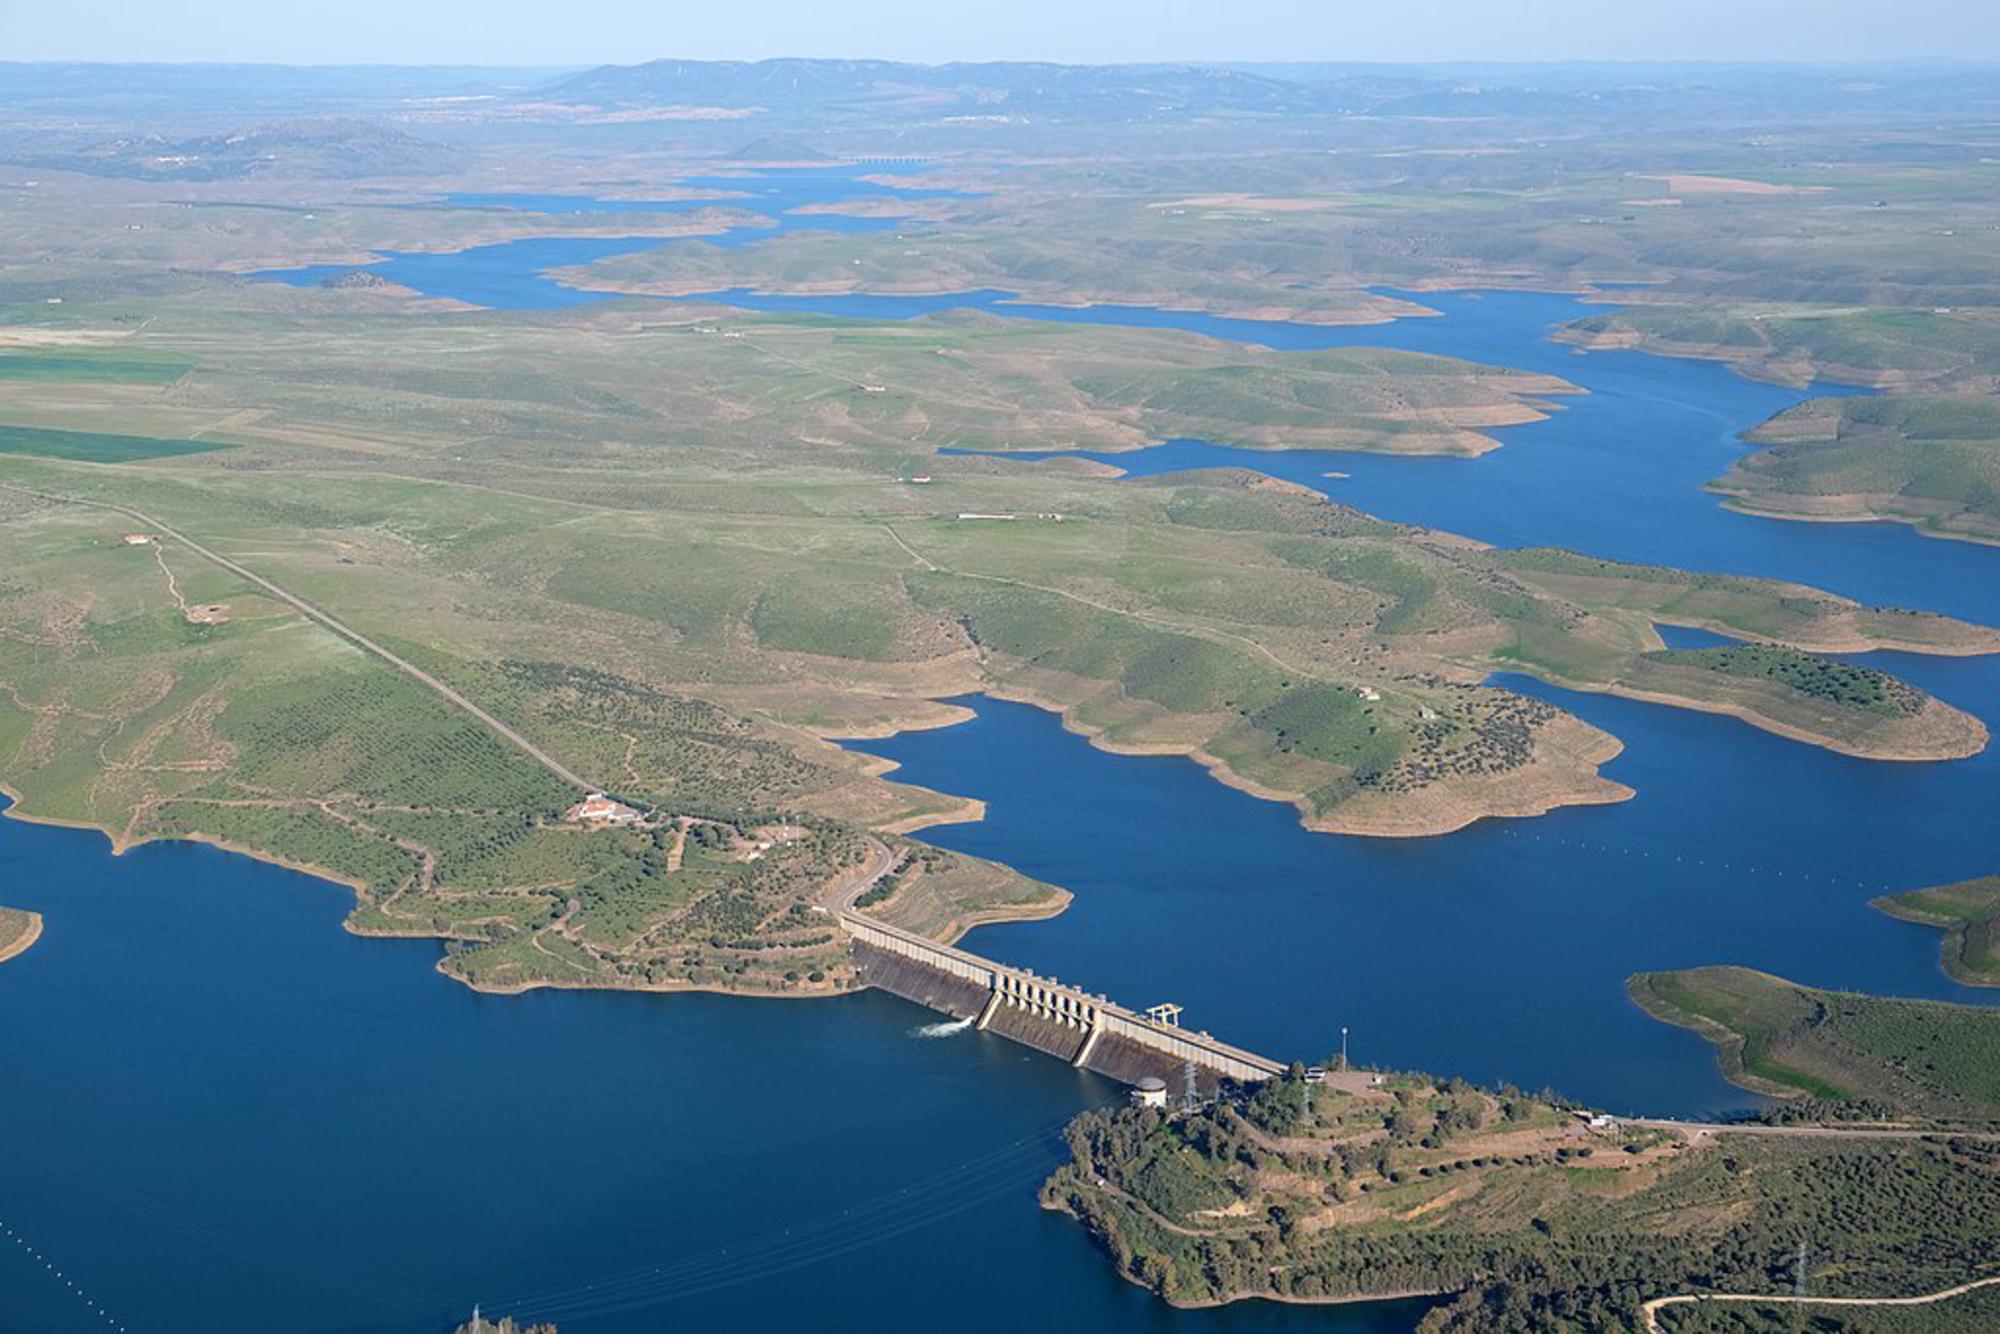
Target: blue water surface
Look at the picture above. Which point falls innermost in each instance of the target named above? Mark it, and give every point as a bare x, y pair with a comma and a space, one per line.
1501, 952
512, 275
222, 1112
1617, 471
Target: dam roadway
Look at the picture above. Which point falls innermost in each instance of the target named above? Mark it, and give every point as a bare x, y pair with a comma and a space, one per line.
1089, 1031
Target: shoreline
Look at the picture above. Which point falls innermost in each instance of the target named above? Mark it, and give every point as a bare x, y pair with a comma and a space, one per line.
698, 289
1951, 940
1726, 1042
20, 944
1282, 1299
646, 989
1373, 316
249, 268
1604, 792
1741, 502
1855, 644
1745, 714
119, 846
1799, 375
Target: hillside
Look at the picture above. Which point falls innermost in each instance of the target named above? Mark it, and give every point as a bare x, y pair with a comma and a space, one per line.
1969, 915
988, 89
294, 149
1923, 459
1925, 1059
1528, 1215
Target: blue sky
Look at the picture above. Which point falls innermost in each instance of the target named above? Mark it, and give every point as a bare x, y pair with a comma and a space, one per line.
550, 32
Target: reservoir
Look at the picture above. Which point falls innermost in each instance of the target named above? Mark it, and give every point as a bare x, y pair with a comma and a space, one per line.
511, 275
220, 1110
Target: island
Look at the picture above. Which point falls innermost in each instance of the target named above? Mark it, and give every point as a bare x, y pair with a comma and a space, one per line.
1903, 347
1525, 1211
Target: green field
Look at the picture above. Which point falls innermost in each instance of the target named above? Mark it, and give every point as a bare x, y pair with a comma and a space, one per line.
94, 367
94, 446
1922, 1059
1969, 914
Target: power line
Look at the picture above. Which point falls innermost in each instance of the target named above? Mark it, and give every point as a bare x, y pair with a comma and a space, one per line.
164, 1217
940, 1195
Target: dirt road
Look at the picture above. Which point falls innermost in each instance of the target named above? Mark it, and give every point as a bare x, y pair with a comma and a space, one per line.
1698, 1129
1650, 1312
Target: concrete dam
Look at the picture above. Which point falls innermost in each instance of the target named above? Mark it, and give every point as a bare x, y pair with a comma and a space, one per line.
1088, 1031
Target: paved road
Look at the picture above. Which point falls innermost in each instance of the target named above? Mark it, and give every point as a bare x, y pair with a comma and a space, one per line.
841, 893
352, 636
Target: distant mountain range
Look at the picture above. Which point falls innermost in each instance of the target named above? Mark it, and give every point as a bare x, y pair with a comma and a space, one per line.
296, 148
992, 88
1049, 91
163, 122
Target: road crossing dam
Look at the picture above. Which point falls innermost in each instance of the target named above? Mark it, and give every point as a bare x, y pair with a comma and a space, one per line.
1065, 1022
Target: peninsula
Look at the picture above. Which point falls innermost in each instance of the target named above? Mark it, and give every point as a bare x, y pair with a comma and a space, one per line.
1519, 1211
404, 681
1903, 1058
1929, 460
1969, 915
19, 929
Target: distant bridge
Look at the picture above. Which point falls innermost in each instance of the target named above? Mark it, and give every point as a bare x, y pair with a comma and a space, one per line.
1088, 1031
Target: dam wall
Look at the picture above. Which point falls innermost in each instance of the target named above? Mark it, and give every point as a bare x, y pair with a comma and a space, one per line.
1118, 1057
1062, 1021
915, 980
1049, 1036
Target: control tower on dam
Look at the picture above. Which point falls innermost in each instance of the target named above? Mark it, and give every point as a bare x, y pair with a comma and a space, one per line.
1065, 1022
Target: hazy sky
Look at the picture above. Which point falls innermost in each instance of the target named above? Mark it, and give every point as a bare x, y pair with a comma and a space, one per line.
561, 32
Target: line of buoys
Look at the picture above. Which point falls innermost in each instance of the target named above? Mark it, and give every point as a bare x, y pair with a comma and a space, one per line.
1585, 845
49, 1266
